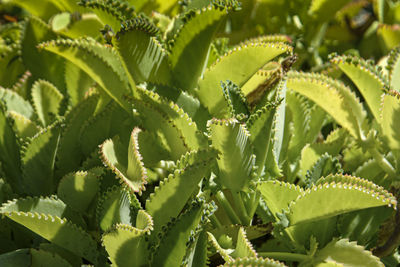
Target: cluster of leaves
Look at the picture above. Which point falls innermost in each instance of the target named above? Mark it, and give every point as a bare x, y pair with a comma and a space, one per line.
367, 28
132, 134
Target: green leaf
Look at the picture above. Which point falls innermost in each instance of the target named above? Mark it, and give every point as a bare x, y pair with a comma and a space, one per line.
23, 127
394, 69
173, 243
100, 62
336, 195
114, 208
88, 25
260, 125
192, 137
126, 162
366, 78
278, 195
332, 96
112, 120
278, 126
120, 240
347, 253
9, 152
163, 127
236, 161
16, 103
17, 258
45, 258
38, 161
77, 83
69, 155
175, 191
46, 100
145, 58
60, 21
363, 225
323, 10
11, 67
389, 122
44, 217
311, 153
389, 35
254, 262
200, 253
42, 64
43, 9
305, 123
191, 45
111, 13
237, 102
244, 249
79, 189
247, 60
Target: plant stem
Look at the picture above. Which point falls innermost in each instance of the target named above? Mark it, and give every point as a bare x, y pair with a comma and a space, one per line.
393, 242
244, 217
285, 256
383, 162
215, 222
227, 207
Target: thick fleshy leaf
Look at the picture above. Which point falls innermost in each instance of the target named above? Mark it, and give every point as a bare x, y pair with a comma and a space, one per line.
389, 35
100, 62
111, 121
347, 253
323, 10
120, 240
38, 161
278, 195
46, 100
45, 216
17, 258
145, 58
238, 66
368, 81
244, 249
114, 208
16, 103
78, 189
43, 9
111, 13
389, 122
260, 125
9, 152
69, 155
253, 262
42, 257
126, 162
42, 64
191, 45
311, 153
192, 137
363, 225
23, 127
236, 161
77, 83
11, 66
336, 195
332, 96
394, 69
175, 190
175, 239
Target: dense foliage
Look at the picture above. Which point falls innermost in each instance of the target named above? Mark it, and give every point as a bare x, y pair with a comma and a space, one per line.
198, 132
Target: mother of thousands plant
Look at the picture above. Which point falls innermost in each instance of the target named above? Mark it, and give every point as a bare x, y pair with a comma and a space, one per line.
131, 138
